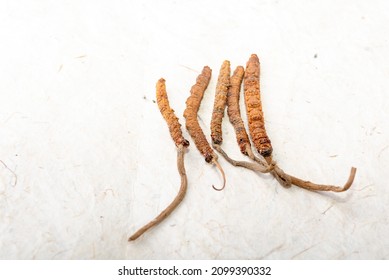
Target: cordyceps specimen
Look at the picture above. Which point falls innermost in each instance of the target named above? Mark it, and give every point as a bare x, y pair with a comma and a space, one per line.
227, 92
192, 124
223, 82
254, 108
261, 140
181, 143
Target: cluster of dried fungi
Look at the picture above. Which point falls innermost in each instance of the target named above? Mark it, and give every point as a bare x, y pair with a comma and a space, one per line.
227, 94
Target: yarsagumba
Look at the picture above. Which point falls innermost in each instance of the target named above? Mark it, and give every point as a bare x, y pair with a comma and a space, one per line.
261, 140
192, 107
181, 144
227, 93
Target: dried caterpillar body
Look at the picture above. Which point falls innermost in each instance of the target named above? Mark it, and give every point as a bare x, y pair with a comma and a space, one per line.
219, 106
168, 114
256, 120
192, 107
181, 143
190, 114
261, 140
221, 97
254, 108
233, 110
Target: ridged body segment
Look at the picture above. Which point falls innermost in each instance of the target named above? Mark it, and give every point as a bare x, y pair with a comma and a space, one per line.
223, 83
192, 107
233, 109
168, 114
253, 103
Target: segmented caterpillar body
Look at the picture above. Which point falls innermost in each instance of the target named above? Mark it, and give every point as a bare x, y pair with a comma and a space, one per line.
168, 114
254, 107
233, 110
230, 95
220, 102
262, 141
192, 106
181, 143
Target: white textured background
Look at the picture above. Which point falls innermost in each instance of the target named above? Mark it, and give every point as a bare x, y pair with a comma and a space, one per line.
86, 158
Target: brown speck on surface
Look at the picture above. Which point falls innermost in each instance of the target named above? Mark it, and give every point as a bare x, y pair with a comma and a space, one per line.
60, 68
106, 191
333, 156
81, 56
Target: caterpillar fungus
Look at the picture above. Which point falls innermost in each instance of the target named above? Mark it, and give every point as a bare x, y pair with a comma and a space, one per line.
256, 119
262, 141
223, 82
181, 143
227, 93
192, 124
254, 108
233, 110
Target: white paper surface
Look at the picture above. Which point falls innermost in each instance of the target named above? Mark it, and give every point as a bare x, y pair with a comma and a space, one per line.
87, 159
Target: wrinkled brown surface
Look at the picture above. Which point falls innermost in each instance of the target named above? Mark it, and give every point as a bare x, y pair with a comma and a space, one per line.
190, 114
329, 188
254, 107
254, 166
219, 106
168, 114
287, 180
233, 110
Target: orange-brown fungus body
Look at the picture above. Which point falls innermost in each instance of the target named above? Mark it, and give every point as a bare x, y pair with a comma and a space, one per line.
254, 107
168, 114
190, 114
219, 106
233, 110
